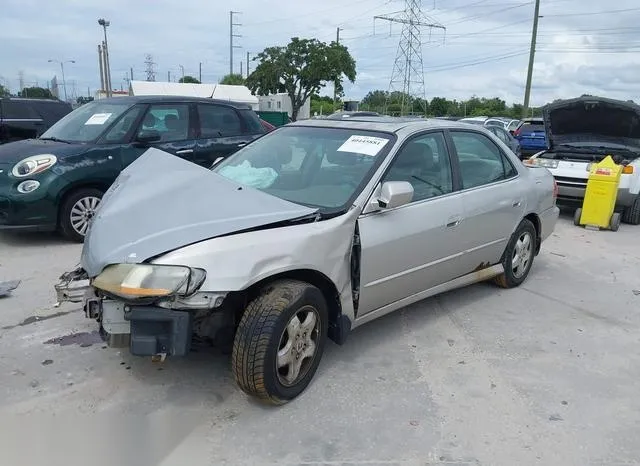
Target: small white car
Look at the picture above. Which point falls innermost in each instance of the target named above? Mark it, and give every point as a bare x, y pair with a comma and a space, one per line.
583, 131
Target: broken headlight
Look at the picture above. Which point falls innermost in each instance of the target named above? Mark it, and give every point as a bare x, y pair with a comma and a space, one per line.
133, 281
546, 163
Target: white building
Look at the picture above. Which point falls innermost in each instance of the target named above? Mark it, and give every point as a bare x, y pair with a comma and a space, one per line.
239, 94
282, 103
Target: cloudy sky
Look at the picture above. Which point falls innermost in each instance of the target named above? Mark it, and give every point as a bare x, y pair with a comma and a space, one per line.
583, 45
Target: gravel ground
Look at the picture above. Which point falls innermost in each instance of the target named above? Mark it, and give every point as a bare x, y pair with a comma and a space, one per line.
546, 374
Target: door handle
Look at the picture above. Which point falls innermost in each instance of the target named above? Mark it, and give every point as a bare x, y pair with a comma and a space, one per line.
185, 151
516, 203
453, 222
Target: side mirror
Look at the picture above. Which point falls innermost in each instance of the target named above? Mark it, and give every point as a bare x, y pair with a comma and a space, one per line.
512, 132
147, 137
394, 194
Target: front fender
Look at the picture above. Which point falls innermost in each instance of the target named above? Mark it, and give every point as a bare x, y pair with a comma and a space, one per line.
236, 262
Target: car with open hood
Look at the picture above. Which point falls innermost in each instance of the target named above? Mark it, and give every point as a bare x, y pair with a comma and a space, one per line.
56, 181
585, 130
306, 233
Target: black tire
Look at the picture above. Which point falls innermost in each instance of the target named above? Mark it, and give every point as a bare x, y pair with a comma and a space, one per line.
260, 333
576, 216
615, 221
509, 278
64, 220
631, 214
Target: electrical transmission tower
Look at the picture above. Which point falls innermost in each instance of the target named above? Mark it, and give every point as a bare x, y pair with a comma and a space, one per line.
150, 67
408, 71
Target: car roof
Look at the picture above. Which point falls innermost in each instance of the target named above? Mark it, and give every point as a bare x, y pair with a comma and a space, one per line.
149, 99
385, 124
35, 100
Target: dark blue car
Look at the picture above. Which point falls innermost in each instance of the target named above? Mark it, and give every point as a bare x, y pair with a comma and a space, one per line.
531, 135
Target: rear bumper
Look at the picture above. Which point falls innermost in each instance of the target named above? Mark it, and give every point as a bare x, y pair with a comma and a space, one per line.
548, 220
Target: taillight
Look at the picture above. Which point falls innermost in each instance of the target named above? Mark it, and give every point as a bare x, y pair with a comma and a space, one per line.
516, 132
555, 189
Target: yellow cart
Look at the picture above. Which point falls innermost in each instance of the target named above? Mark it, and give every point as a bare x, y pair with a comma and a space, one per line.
600, 197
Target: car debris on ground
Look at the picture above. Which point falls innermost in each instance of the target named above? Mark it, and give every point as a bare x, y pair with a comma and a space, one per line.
7, 287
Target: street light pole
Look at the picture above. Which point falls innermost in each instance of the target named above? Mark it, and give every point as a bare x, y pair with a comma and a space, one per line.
104, 23
64, 82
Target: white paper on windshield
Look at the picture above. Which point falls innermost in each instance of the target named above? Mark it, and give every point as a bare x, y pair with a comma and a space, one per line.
98, 119
367, 145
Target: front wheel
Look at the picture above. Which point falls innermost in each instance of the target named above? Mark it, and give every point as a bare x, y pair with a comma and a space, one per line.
77, 211
518, 256
279, 341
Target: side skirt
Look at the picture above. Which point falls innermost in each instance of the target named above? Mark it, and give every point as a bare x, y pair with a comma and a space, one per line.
470, 278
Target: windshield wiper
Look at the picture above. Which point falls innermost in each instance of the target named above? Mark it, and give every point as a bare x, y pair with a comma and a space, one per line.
56, 140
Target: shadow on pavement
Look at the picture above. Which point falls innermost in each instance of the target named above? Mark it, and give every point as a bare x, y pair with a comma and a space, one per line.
31, 239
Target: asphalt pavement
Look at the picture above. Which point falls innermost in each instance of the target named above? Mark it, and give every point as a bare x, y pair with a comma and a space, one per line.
546, 374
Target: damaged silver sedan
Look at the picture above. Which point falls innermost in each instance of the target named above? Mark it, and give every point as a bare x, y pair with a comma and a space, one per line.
303, 235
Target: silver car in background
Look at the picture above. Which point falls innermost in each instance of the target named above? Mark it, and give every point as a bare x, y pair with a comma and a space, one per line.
301, 236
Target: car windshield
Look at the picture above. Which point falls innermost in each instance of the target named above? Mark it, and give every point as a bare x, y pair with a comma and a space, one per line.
86, 123
312, 166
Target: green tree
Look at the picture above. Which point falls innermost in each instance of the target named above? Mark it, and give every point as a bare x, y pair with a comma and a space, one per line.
323, 105
189, 80
4, 92
233, 79
375, 100
301, 69
36, 93
439, 106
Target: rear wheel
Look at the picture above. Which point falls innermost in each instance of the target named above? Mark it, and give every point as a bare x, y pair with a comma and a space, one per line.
518, 256
77, 211
631, 214
279, 341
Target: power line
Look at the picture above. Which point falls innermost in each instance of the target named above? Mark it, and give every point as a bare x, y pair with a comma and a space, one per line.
313, 13
231, 37
150, 69
408, 69
489, 13
593, 13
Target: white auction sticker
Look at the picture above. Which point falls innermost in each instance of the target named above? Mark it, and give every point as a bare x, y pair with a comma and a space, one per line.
98, 119
367, 145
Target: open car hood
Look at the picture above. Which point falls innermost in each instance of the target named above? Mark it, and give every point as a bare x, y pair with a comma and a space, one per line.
592, 120
161, 202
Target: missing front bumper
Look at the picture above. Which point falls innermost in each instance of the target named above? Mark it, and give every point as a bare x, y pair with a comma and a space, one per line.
146, 330
73, 287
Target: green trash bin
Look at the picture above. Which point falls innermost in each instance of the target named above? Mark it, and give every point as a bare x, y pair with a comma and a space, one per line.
275, 118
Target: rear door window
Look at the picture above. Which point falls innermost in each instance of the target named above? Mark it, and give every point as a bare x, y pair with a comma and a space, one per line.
218, 121
252, 121
171, 121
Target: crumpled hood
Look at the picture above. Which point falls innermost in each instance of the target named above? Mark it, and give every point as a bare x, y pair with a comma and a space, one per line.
13, 152
592, 119
161, 202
